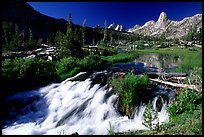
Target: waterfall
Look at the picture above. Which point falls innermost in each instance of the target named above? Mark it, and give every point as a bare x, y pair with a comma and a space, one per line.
73, 106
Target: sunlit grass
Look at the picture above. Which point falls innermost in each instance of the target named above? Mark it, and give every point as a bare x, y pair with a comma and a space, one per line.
188, 122
190, 58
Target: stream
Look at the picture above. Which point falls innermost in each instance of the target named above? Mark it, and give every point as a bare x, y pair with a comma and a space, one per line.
85, 104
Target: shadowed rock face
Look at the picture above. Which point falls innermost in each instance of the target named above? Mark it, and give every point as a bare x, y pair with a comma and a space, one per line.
42, 26
171, 28
26, 17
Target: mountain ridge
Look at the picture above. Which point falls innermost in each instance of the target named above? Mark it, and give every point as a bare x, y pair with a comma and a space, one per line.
116, 27
171, 28
42, 25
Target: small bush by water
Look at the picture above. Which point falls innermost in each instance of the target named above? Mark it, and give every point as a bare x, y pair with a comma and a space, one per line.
91, 62
186, 101
130, 90
24, 74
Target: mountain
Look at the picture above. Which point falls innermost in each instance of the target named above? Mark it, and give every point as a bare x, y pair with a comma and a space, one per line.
170, 28
22, 14
42, 26
116, 27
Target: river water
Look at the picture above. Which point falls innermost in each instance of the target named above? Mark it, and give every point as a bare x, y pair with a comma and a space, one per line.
81, 106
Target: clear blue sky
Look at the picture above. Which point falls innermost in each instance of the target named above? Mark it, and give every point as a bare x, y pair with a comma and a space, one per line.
127, 14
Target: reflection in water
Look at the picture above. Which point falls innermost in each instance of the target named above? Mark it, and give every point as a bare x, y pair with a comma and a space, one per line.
150, 62
164, 62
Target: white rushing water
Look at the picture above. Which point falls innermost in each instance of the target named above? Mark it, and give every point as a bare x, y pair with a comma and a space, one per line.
74, 106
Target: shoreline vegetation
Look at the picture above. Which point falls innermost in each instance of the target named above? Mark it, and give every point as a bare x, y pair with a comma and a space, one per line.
186, 121
19, 71
23, 74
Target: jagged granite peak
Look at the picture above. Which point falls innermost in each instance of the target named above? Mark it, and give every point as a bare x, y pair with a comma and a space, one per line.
149, 23
134, 28
162, 17
111, 26
116, 27
162, 21
171, 28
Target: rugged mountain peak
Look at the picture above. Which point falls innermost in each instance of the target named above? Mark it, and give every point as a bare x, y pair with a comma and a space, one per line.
171, 28
149, 23
162, 17
116, 27
162, 21
136, 26
111, 26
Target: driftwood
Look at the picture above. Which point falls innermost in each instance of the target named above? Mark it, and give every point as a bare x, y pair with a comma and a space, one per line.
192, 87
166, 75
170, 79
178, 80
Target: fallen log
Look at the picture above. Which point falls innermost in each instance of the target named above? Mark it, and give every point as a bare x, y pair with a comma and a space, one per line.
192, 87
176, 79
166, 75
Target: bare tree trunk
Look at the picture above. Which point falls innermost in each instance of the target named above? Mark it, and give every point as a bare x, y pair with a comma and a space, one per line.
192, 87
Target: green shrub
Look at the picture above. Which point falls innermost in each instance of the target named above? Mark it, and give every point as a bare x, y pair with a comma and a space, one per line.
149, 116
69, 66
42, 70
73, 72
91, 62
21, 69
65, 65
130, 90
111, 129
7, 68
102, 44
24, 74
186, 101
15, 69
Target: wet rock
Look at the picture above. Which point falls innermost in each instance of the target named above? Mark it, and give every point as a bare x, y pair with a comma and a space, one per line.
75, 133
82, 77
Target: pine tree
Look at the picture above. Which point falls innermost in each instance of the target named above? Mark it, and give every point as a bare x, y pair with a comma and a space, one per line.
58, 39
111, 39
31, 42
93, 42
70, 20
30, 36
68, 38
50, 39
105, 31
16, 38
5, 35
11, 39
71, 41
84, 33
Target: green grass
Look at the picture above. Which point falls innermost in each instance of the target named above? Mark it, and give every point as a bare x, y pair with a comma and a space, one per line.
120, 58
188, 123
188, 119
190, 58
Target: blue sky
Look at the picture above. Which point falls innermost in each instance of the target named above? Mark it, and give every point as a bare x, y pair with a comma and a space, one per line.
127, 14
